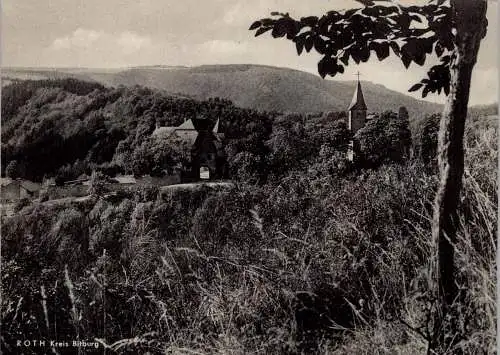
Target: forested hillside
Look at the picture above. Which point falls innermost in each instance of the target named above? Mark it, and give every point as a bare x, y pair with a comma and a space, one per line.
308, 253
258, 87
67, 127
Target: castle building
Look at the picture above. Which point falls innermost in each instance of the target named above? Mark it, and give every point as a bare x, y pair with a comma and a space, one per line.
357, 117
208, 160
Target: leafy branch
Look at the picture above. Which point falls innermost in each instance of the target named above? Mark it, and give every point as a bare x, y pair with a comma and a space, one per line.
410, 32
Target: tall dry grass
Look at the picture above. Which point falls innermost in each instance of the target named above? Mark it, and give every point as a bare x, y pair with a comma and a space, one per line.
311, 265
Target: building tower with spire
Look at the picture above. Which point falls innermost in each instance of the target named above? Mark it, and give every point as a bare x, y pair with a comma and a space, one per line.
357, 115
357, 110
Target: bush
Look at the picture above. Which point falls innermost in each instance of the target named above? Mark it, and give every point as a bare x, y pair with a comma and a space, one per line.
147, 193
224, 226
107, 223
44, 197
97, 184
384, 139
427, 140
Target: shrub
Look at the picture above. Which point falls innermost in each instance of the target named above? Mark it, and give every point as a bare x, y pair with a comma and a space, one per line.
320, 258
97, 184
427, 139
384, 139
107, 223
223, 226
68, 238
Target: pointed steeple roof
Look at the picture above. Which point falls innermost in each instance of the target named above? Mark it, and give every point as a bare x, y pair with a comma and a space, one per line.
216, 127
217, 131
358, 101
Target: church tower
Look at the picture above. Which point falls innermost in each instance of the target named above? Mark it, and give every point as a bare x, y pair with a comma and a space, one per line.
357, 110
357, 116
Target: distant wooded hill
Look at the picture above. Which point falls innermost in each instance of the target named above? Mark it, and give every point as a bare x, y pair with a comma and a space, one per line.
263, 88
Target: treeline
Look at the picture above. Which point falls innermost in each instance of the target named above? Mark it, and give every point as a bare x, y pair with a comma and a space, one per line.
66, 128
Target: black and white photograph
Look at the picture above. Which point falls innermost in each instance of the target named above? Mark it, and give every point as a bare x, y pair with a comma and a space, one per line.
249, 177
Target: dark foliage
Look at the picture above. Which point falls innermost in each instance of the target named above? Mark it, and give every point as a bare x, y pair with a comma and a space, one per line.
340, 36
427, 140
385, 138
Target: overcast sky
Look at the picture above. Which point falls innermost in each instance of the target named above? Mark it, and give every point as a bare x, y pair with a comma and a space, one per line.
121, 33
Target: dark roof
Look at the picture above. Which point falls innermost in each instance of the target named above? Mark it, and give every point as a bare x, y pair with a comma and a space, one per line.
77, 181
358, 101
25, 184
188, 131
201, 124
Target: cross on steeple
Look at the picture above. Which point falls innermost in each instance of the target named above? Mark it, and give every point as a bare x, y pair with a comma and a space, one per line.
358, 101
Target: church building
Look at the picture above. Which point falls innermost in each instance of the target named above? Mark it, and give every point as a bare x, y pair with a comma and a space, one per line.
357, 117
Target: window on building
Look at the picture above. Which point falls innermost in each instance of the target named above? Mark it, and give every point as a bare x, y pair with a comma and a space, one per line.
204, 173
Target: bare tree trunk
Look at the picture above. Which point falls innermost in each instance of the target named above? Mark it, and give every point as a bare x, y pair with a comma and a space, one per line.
470, 23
